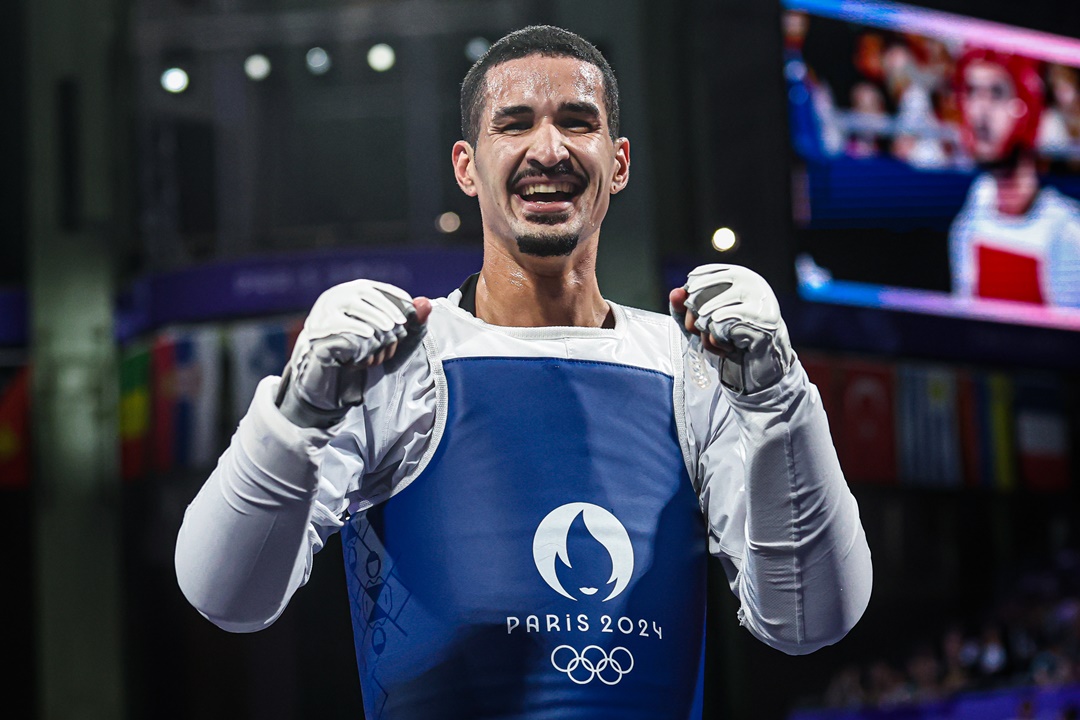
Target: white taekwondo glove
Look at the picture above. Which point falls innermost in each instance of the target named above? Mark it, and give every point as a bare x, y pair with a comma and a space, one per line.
351, 327
738, 310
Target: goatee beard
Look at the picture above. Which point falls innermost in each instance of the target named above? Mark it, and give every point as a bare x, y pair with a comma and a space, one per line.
547, 245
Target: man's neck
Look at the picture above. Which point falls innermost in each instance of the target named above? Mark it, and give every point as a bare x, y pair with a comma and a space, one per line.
1017, 186
544, 293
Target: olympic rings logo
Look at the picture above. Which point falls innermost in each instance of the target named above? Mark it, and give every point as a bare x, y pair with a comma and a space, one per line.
592, 663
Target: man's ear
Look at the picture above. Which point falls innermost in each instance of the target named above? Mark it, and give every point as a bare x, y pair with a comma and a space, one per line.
621, 175
463, 163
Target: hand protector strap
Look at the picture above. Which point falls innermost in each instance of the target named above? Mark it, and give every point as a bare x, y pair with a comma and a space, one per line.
740, 313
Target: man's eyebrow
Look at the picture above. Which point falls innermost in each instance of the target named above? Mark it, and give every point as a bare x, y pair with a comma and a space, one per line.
585, 108
512, 111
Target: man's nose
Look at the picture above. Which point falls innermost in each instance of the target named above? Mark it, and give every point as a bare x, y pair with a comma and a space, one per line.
548, 147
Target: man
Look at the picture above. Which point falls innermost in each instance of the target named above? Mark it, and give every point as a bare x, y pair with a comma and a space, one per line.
527, 503
1012, 240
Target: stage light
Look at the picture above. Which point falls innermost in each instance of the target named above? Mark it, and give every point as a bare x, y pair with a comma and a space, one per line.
476, 48
318, 61
381, 57
724, 239
257, 67
175, 80
448, 222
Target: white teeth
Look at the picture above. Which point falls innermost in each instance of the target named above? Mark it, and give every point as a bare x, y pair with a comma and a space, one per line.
547, 188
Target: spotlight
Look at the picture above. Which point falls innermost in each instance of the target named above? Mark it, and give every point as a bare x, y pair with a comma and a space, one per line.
724, 239
448, 222
257, 67
318, 61
381, 57
476, 48
175, 80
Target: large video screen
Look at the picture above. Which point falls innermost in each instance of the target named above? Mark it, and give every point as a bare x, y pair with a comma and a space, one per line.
937, 162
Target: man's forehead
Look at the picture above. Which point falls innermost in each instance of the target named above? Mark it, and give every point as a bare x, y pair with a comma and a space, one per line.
535, 79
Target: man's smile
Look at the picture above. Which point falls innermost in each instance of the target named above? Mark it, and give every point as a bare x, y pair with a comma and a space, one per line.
543, 194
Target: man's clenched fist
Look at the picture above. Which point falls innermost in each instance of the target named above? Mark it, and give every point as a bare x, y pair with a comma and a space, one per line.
736, 316
351, 327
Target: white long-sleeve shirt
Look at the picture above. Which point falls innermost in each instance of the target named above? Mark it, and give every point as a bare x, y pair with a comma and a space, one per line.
778, 511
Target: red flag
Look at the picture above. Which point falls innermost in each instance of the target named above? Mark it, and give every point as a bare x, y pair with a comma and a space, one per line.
866, 437
821, 369
1042, 433
15, 432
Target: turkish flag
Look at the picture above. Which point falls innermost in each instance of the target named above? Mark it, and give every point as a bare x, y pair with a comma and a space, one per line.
866, 441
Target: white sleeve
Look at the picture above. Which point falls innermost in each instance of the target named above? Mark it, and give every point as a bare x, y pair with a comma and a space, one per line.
781, 517
248, 538
1064, 262
961, 255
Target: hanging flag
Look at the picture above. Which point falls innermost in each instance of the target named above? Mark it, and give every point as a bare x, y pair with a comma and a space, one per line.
866, 440
929, 427
999, 438
257, 349
970, 406
1042, 432
986, 420
15, 431
821, 369
134, 411
186, 368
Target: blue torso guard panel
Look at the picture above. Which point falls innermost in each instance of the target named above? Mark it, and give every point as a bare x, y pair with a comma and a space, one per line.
548, 563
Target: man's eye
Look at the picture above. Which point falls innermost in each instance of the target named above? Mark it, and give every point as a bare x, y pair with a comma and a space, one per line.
577, 124
516, 127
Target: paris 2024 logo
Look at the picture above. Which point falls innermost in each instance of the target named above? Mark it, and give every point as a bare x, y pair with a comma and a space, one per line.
603, 659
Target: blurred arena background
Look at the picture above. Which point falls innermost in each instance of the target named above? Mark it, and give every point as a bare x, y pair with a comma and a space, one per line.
179, 179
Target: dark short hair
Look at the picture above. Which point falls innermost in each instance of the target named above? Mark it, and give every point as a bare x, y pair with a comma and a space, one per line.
545, 40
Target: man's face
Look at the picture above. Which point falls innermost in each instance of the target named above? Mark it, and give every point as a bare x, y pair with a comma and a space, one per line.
544, 166
991, 108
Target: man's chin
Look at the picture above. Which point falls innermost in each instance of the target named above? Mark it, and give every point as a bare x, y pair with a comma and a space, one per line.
547, 245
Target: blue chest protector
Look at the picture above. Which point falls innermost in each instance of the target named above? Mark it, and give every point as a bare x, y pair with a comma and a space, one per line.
549, 562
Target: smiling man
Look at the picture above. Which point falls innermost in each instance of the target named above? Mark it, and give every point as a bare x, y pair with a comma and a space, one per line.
528, 478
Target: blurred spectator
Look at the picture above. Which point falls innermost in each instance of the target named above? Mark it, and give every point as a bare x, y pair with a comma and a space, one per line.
957, 673
924, 670
1059, 128
868, 49
1051, 667
992, 655
869, 102
815, 130
1031, 637
845, 690
887, 686
910, 87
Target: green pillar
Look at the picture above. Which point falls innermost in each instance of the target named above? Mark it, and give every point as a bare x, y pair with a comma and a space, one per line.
75, 81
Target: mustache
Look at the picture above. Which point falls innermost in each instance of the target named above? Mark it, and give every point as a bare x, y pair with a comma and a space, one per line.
562, 169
